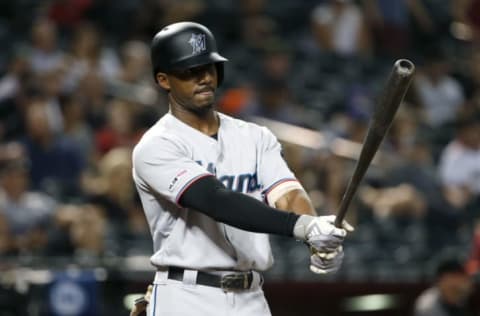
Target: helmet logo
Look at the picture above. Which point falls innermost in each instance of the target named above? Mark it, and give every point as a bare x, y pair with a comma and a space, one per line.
197, 41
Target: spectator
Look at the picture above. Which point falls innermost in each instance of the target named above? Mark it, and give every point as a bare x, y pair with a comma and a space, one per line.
188, 10
68, 13
93, 96
88, 230
254, 31
44, 54
332, 176
78, 230
400, 201
50, 85
13, 86
120, 128
467, 12
339, 27
88, 54
134, 80
18, 68
439, 94
6, 243
411, 171
473, 17
276, 59
391, 23
273, 101
448, 296
112, 187
111, 191
56, 163
135, 63
460, 163
76, 128
473, 263
235, 101
472, 80
27, 213
255, 28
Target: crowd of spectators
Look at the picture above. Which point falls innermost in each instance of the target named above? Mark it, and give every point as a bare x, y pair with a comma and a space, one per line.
76, 93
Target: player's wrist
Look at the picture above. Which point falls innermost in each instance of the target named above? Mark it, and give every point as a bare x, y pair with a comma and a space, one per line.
300, 228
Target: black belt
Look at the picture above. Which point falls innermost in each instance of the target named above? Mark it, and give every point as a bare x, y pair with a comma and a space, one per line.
228, 282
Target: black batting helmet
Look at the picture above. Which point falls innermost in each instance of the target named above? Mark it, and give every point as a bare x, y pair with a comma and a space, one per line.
185, 45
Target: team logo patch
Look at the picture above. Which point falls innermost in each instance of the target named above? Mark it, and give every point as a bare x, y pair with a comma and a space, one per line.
197, 41
175, 180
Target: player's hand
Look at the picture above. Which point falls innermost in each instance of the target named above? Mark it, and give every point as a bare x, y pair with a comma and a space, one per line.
320, 232
141, 303
326, 262
324, 236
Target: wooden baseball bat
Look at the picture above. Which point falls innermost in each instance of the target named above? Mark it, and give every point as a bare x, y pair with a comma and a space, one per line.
393, 93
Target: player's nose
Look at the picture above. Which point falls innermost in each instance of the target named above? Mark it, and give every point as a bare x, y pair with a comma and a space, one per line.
206, 78
207, 74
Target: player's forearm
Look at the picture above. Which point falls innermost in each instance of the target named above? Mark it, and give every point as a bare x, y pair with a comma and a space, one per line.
296, 201
207, 195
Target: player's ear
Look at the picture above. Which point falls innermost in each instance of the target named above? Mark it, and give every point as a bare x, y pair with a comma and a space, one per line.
162, 80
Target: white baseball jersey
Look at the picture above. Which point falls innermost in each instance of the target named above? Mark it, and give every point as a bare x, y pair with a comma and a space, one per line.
171, 156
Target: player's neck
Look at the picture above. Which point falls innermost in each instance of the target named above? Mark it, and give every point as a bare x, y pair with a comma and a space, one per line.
207, 122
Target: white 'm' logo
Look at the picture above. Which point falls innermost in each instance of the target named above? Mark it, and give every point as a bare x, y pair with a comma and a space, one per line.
198, 43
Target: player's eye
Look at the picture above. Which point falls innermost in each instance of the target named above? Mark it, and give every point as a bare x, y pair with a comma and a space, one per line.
182, 73
194, 71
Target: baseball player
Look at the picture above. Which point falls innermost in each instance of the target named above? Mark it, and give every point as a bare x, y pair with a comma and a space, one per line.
212, 187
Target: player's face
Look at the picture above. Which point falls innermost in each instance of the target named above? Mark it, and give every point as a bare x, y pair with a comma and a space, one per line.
192, 88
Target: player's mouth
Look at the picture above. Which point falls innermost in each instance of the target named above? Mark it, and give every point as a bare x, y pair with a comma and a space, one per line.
205, 91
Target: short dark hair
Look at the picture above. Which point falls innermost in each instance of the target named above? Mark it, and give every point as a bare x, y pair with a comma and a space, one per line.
466, 120
450, 265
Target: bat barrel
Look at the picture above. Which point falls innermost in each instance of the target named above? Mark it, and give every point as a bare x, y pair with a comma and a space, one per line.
404, 67
395, 89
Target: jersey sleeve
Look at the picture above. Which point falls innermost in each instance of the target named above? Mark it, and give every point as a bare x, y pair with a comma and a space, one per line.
165, 168
273, 171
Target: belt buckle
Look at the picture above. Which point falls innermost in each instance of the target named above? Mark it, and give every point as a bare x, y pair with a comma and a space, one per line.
234, 281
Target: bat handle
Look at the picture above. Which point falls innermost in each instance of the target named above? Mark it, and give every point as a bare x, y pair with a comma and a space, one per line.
345, 202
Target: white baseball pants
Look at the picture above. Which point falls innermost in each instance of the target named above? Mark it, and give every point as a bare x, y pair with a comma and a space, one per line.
177, 298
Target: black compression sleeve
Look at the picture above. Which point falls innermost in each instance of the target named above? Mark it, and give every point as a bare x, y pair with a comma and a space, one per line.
209, 196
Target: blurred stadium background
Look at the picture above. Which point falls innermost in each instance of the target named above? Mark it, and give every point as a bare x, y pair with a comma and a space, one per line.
76, 93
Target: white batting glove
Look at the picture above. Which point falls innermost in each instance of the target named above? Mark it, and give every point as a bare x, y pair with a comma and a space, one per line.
320, 232
326, 262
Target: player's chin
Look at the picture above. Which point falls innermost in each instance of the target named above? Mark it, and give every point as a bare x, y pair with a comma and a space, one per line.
205, 100
202, 108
